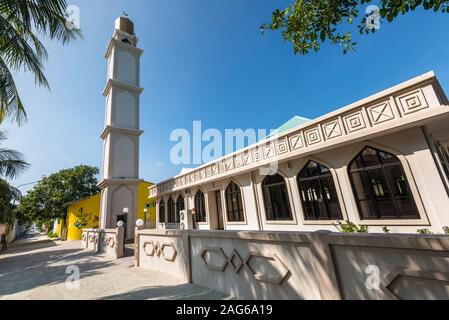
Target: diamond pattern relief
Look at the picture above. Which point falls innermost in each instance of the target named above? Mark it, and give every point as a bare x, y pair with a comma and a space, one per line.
296, 142
355, 122
313, 136
215, 169
280, 273
332, 129
412, 102
156, 249
203, 173
381, 113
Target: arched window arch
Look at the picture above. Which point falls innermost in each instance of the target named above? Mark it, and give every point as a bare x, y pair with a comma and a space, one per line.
180, 205
277, 203
318, 194
234, 204
162, 211
200, 207
380, 186
171, 211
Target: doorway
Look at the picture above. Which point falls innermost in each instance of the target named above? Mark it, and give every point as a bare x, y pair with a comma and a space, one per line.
122, 218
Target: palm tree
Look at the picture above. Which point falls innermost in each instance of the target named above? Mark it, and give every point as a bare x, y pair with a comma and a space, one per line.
11, 161
20, 48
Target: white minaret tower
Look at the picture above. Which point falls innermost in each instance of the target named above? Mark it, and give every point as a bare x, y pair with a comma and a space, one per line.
120, 180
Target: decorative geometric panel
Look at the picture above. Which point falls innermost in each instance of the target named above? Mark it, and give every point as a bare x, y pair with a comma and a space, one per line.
280, 270
192, 177
296, 142
412, 102
381, 113
355, 121
247, 158
313, 136
197, 175
203, 173
282, 146
238, 161
215, 169
257, 154
268, 151
183, 180
229, 164
209, 171
221, 167
332, 129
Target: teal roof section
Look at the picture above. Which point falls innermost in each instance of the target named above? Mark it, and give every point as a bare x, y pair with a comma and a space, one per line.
290, 124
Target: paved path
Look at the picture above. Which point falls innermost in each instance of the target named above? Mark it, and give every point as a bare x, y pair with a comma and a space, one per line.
38, 271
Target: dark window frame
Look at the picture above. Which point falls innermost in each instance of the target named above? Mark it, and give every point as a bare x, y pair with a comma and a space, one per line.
234, 209
377, 192
277, 199
180, 205
308, 181
171, 211
162, 214
200, 207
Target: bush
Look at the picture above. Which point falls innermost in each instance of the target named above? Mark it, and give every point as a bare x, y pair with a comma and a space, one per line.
52, 235
446, 230
349, 227
424, 231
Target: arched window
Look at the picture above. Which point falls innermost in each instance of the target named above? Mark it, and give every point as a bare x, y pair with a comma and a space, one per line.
380, 186
277, 203
171, 211
180, 205
318, 194
234, 206
200, 207
162, 211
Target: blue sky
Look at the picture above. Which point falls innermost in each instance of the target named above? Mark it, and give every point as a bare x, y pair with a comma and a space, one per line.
207, 60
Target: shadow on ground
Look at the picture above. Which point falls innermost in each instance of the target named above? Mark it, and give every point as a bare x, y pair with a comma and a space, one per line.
33, 269
176, 292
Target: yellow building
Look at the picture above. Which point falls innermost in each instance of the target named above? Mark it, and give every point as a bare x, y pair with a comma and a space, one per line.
85, 213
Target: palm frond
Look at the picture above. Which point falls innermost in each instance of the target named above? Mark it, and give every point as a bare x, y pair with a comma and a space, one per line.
21, 22
10, 104
11, 163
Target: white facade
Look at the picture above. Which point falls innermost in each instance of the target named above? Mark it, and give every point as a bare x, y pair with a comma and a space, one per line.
122, 129
407, 124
